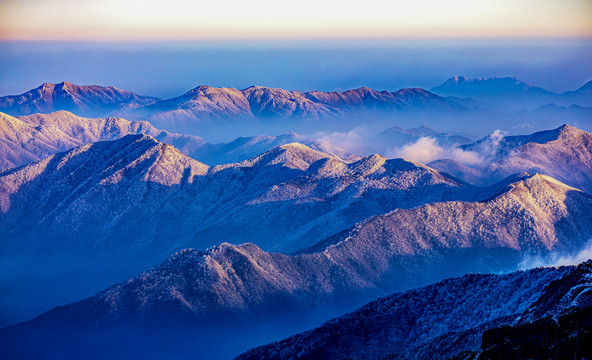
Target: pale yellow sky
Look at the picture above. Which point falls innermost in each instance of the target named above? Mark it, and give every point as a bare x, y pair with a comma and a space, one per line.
267, 19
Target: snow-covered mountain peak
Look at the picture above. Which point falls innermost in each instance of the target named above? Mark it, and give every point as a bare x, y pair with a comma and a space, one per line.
87, 100
130, 158
205, 90
65, 86
568, 130
292, 155
367, 165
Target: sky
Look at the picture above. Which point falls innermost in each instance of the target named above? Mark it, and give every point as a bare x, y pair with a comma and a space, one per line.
165, 48
272, 19
168, 69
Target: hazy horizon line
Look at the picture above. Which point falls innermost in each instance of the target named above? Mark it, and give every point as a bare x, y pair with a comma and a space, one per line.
307, 39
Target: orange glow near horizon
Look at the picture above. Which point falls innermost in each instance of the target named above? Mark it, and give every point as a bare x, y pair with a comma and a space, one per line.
265, 19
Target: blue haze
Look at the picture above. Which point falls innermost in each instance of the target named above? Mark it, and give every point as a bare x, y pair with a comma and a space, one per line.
167, 69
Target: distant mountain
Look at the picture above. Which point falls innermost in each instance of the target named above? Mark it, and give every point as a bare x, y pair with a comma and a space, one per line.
484, 87
434, 322
551, 115
266, 102
229, 289
583, 95
30, 138
203, 104
366, 98
564, 153
206, 105
90, 100
203, 107
209, 111
510, 93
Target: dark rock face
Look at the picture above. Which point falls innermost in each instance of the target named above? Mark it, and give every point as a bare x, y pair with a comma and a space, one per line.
568, 337
557, 326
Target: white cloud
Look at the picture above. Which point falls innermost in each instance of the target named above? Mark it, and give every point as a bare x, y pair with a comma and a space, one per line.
426, 149
490, 147
353, 140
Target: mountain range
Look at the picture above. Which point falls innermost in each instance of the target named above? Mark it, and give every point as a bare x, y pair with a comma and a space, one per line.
262, 237
210, 112
205, 101
123, 198
113, 182
117, 198
205, 108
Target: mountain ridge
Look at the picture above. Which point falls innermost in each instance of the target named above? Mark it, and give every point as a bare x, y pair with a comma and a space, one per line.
204, 104
563, 153
86, 100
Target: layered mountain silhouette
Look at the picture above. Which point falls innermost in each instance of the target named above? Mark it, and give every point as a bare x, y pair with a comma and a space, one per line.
195, 290
541, 313
204, 102
195, 297
296, 230
203, 106
563, 153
